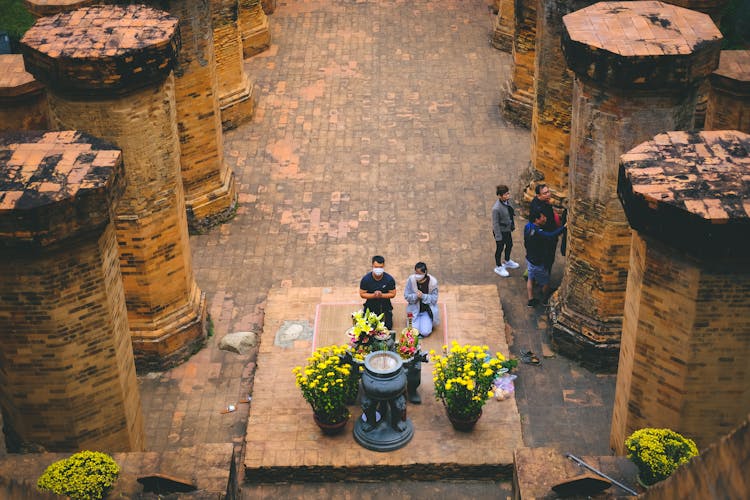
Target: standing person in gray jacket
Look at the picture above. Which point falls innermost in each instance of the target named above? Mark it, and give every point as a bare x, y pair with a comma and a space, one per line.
421, 294
502, 227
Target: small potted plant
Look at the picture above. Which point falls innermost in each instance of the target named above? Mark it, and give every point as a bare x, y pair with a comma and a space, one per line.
464, 377
324, 383
658, 452
85, 475
367, 334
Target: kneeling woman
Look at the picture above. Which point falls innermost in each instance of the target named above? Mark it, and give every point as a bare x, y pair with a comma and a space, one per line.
421, 294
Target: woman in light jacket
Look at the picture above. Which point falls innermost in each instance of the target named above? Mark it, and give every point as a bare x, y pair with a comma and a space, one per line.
421, 294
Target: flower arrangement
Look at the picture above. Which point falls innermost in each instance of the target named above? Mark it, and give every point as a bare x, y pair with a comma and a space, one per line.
367, 334
408, 343
86, 475
464, 379
324, 383
658, 452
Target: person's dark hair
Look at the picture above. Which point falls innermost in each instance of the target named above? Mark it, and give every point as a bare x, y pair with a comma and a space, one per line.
539, 187
534, 215
420, 266
379, 259
501, 189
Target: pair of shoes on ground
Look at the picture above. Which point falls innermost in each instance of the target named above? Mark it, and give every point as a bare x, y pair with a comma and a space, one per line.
530, 358
503, 269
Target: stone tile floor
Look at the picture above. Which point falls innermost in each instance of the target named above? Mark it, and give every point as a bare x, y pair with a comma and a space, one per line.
377, 131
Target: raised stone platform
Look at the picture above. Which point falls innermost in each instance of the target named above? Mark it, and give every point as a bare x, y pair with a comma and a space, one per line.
284, 444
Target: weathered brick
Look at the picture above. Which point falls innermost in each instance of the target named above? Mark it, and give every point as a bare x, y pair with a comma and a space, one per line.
68, 380
518, 103
638, 66
729, 99
166, 310
685, 346
236, 90
23, 100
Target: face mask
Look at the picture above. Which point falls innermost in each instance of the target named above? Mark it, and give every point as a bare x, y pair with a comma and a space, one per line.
419, 277
377, 271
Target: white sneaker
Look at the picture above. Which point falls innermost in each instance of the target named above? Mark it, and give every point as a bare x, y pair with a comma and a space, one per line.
502, 271
511, 264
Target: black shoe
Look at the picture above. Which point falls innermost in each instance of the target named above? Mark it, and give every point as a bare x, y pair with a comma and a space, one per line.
533, 303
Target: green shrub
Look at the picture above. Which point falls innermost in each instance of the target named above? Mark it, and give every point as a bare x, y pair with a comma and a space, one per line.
658, 452
86, 475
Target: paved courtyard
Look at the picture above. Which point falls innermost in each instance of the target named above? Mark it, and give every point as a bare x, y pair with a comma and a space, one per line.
377, 131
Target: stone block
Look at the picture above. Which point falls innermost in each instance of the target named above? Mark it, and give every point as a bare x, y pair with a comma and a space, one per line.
729, 98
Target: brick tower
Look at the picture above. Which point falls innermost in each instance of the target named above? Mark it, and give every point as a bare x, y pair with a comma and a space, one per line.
67, 380
23, 100
236, 90
630, 84
517, 105
685, 356
729, 99
253, 23
121, 59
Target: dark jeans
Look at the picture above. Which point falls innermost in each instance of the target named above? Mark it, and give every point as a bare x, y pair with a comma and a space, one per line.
505, 244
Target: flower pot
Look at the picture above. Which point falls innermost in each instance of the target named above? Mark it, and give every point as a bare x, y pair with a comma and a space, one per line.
464, 425
330, 429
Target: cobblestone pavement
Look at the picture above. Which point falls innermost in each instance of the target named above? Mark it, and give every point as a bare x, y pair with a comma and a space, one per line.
377, 131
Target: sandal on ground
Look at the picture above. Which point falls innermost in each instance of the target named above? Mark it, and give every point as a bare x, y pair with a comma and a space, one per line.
530, 358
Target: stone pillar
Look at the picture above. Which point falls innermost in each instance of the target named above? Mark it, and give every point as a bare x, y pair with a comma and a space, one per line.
68, 380
209, 183
269, 6
685, 354
236, 90
42, 8
518, 103
120, 87
23, 100
502, 31
729, 99
253, 24
630, 84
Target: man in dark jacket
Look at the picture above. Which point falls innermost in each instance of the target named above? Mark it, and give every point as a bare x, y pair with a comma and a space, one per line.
537, 242
541, 204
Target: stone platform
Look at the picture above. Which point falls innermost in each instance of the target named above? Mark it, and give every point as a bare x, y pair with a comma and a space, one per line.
284, 444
